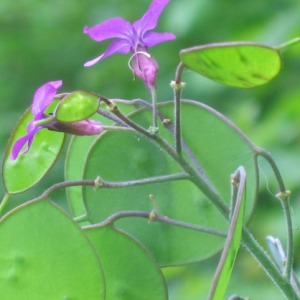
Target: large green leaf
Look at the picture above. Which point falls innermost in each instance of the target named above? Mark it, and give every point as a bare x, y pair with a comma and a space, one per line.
121, 156
238, 64
45, 255
130, 271
30, 168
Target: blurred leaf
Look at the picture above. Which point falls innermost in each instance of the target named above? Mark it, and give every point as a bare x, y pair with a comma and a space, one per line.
28, 169
130, 271
45, 255
77, 106
238, 64
121, 156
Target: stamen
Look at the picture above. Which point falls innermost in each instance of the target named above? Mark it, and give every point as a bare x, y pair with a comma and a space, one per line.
135, 53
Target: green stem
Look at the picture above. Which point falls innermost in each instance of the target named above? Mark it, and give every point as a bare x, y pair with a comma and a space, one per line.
154, 107
177, 87
289, 249
4, 203
115, 110
106, 184
268, 266
283, 196
288, 44
156, 218
267, 156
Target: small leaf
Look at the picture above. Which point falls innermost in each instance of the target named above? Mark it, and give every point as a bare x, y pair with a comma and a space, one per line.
238, 64
129, 269
45, 255
77, 106
28, 169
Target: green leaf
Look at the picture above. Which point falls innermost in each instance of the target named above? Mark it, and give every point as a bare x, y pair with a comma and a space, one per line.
123, 156
237, 64
77, 106
28, 169
130, 270
233, 240
45, 255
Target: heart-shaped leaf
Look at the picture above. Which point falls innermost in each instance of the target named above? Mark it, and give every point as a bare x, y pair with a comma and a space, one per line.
45, 255
129, 269
123, 156
28, 169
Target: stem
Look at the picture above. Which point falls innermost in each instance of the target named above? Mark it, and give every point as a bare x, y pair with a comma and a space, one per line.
288, 43
295, 282
128, 122
177, 87
289, 249
105, 184
283, 196
154, 107
266, 155
4, 202
62, 185
268, 266
116, 128
157, 218
111, 117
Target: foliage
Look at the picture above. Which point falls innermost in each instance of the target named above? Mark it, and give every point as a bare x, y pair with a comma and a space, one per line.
165, 186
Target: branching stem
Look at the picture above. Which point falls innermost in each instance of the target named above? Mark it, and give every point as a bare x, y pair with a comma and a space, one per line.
157, 218
283, 196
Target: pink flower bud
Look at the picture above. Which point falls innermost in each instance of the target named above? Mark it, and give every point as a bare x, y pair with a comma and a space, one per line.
145, 67
83, 127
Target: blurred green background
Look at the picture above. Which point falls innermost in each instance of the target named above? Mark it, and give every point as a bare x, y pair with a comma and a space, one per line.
43, 40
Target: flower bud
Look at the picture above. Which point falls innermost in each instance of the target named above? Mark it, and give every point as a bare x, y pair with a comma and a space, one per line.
145, 67
83, 127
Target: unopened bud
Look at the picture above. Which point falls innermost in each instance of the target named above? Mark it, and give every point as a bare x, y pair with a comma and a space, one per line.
83, 127
145, 67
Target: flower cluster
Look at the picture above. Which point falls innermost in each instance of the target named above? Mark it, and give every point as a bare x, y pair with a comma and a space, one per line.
135, 38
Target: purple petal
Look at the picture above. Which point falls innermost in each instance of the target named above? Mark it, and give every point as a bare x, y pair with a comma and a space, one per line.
150, 18
19, 144
93, 61
154, 38
44, 96
121, 46
112, 28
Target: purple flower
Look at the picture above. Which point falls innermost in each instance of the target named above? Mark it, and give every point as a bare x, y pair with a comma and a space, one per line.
133, 37
43, 97
41, 100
